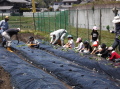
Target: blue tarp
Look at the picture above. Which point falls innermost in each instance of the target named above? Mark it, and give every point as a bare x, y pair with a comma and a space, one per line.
65, 70
26, 76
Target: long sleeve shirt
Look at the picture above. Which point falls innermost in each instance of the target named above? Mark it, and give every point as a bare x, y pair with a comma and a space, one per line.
114, 55
4, 25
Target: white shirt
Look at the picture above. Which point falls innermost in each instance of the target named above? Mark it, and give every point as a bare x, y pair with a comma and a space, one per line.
71, 42
80, 46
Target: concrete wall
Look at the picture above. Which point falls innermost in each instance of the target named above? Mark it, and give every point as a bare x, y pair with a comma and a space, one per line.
4, 14
87, 18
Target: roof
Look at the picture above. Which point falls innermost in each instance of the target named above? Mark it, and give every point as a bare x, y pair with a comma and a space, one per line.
5, 7
69, 0
18, 1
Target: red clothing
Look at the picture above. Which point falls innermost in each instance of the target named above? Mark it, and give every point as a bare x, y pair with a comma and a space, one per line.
114, 55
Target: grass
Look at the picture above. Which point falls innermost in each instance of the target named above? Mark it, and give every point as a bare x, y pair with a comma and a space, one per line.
27, 23
106, 37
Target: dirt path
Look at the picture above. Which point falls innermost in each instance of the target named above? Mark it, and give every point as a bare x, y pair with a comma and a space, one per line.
4, 79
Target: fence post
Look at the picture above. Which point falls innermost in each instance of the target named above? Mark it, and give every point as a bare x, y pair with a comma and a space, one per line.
38, 21
65, 19
49, 20
2, 15
34, 22
60, 19
44, 21
88, 25
77, 24
55, 20
20, 20
100, 26
69, 21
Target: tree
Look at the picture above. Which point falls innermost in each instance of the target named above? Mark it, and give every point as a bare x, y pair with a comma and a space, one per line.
41, 3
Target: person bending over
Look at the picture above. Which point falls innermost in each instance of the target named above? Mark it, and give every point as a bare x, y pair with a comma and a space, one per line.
57, 37
7, 34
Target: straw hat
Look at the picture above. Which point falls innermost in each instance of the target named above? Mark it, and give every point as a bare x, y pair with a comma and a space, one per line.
6, 17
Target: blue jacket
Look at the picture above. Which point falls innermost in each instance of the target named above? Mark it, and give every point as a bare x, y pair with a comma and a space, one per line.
4, 25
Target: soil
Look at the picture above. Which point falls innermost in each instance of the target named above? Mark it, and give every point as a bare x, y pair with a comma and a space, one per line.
4, 76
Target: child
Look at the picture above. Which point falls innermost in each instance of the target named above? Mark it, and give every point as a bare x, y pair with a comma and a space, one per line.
102, 51
80, 44
87, 48
113, 56
94, 34
70, 43
95, 47
32, 42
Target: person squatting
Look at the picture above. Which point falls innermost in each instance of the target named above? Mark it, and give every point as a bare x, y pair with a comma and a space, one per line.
57, 37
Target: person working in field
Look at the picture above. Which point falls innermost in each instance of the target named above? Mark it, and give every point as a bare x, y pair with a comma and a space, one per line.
80, 44
3, 27
4, 24
32, 42
7, 34
70, 44
113, 56
116, 21
57, 37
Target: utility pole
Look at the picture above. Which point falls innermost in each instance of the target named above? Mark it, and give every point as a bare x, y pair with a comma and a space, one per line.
33, 10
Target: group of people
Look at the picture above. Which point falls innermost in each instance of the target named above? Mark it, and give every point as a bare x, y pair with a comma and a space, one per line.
7, 33
92, 47
57, 37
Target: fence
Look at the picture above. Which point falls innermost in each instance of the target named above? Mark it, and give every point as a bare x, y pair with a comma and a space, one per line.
25, 23
77, 22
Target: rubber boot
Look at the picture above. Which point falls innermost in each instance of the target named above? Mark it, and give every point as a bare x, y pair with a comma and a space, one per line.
4, 43
9, 49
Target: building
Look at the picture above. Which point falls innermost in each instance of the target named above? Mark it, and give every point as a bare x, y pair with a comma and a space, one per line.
66, 4
15, 6
56, 5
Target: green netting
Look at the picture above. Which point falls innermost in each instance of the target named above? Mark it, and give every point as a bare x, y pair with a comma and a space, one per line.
50, 21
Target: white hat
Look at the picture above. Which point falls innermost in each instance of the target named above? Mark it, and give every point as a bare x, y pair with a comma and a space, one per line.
110, 48
116, 19
18, 29
94, 27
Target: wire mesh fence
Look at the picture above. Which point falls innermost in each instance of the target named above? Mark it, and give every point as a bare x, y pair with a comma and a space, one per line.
77, 21
18, 21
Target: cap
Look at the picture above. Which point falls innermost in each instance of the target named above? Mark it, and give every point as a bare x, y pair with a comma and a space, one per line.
110, 48
95, 44
18, 29
6, 17
78, 40
94, 27
69, 36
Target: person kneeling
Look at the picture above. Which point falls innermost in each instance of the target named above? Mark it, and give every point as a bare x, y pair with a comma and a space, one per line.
113, 56
32, 42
